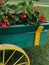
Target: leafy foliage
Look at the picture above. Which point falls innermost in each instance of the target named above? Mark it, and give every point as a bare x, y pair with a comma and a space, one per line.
20, 13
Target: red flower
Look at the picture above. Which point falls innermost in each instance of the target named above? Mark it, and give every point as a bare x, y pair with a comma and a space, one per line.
43, 21
0, 1
23, 12
37, 7
8, 23
23, 16
4, 25
42, 16
15, 10
0, 23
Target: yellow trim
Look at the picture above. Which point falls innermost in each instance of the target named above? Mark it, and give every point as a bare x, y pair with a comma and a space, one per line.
37, 35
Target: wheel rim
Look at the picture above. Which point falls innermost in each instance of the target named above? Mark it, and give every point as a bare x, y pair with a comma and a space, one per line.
14, 55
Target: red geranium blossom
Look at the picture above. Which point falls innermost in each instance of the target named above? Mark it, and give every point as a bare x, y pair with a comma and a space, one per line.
43, 20
42, 16
0, 1
4, 25
37, 7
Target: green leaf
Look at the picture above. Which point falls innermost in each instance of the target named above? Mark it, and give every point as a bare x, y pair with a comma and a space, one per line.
4, 18
30, 3
9, 9
1, 12
28, 11
17, 18
19, 12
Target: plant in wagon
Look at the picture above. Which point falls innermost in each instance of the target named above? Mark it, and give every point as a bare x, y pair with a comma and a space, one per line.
21, 13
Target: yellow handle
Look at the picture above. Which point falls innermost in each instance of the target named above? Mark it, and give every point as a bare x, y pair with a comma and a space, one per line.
37, 35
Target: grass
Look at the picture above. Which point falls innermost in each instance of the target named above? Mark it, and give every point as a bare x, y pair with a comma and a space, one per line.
45, 10
42, 2
39, 2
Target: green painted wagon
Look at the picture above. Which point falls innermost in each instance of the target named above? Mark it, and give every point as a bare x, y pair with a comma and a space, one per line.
21, 36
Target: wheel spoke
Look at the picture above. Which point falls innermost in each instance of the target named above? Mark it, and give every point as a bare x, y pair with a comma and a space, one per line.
3, 56
18, 60
22, 63
9, 57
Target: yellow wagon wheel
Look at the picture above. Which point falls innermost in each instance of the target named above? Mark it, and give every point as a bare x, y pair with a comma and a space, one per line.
13, 55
